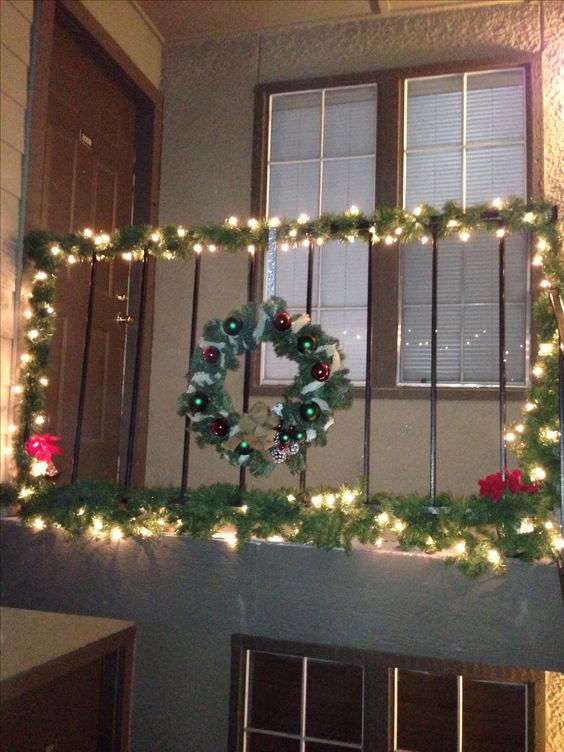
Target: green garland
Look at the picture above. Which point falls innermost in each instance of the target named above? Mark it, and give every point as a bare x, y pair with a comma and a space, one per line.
474, 533
263, 437
477, 533
47, 252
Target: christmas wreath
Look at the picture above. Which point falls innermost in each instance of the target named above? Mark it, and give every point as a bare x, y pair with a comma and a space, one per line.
265, 436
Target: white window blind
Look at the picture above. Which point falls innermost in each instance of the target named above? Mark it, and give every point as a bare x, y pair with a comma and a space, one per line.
464, 140
322, 159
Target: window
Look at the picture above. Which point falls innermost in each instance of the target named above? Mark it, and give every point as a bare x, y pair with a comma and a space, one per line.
322, 159
464, 139
311, 698
462, 136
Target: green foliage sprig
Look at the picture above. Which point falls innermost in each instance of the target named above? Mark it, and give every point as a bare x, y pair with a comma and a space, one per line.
474, 533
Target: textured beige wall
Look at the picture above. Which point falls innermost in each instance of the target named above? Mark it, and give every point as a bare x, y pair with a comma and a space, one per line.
554, 712
134, 33
16, 17
208, 87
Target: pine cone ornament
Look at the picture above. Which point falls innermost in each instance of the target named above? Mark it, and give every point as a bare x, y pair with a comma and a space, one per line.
278, 454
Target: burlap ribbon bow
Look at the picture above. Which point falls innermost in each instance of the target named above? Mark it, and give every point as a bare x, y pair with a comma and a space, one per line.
256, 428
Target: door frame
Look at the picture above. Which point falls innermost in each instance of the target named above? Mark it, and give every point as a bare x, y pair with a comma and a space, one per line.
148, 139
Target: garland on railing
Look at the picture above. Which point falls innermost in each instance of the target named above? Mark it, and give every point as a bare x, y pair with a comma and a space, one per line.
520, 527
477, 533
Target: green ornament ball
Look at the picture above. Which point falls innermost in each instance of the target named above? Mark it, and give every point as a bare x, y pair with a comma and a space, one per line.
306, 344
310, 411
198, 402
244, 448
232, 325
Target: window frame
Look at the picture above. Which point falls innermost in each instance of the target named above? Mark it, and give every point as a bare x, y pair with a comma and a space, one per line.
389, 192
378, 670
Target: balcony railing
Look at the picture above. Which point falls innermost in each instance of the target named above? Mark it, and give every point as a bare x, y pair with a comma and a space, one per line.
48, 252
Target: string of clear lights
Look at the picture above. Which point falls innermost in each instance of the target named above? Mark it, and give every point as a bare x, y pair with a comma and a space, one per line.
535, 439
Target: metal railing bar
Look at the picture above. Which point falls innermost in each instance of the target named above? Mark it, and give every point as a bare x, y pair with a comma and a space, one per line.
192, 347
309, 298
137, 369
84, 368
247, 371
368, 377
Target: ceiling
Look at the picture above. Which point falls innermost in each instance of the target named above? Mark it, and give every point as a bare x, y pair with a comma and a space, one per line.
179, 20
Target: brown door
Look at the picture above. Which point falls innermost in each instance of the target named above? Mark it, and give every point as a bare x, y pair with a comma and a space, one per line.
89, 166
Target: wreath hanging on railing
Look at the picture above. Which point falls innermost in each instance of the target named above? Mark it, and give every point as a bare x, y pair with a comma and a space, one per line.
265, 436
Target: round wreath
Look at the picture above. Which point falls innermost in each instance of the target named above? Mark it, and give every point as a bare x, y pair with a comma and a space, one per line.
265, 436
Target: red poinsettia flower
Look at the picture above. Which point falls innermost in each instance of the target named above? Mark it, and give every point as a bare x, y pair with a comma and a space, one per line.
41, 446
494, 486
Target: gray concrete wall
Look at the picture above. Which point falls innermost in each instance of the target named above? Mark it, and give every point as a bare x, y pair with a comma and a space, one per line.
188, 597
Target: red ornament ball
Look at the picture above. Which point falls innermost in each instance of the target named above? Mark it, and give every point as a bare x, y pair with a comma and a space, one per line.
212, 355
282, 321
220, 427
321, 371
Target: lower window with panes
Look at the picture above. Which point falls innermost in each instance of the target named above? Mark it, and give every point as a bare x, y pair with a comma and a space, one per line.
292, 697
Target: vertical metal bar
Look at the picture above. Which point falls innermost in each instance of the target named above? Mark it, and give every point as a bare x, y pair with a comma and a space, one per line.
137, 369
560, 558
502, 362
434, 317
192, 347
247, 373
561, 427
368, 376
309, 302
84, 369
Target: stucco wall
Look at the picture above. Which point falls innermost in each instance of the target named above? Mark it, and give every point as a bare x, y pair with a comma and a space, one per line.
16, 17
133, 31
188, 597
208, 87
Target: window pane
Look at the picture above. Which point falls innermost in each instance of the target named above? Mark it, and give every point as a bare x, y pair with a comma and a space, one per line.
426, 712
290, 276
275, 693
265, 743
416, 344
277, 370
294, 188
344, 277
495, 171
347, 182
481, 341
434, 111
350, 122
494, 717
433, 179
334, 701
296, 127
417, 270
481, 269
349, 326
496, 106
